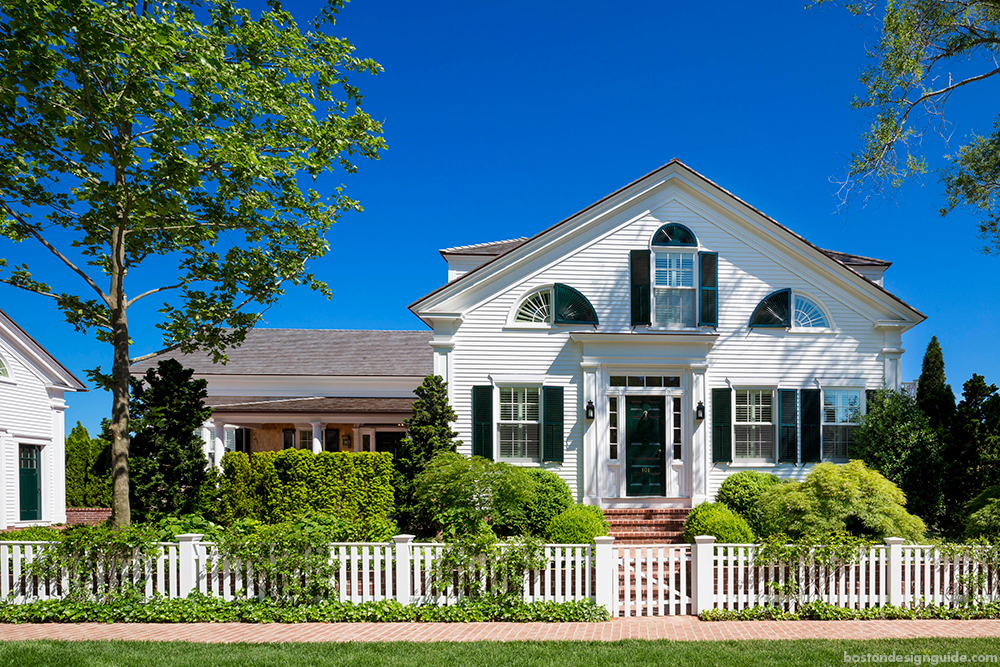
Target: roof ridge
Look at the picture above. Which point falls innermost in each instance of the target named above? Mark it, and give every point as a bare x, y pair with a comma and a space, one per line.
482, 245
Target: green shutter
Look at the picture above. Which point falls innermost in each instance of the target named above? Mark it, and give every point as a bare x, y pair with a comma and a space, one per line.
572, 307
869, 397
482, 422
552, 424
708, 289
788, 425
811, 415
722, 423
774, 311
639, 278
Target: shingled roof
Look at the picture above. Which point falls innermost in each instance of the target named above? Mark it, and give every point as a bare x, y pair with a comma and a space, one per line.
326, 352
497, 248
309, 404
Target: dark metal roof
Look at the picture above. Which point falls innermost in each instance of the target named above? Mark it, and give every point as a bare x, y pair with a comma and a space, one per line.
673, 161
324, 352
309, 404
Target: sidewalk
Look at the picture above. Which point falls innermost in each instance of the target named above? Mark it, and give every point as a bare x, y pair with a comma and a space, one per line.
677, 628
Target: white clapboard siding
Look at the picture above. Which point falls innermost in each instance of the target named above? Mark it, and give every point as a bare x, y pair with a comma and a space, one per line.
597, 264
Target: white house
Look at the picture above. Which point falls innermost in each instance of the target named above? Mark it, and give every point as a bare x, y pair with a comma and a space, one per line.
660, 339
32, 430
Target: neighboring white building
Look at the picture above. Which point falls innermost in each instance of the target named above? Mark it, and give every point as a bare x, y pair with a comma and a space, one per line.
32, 430
660, 339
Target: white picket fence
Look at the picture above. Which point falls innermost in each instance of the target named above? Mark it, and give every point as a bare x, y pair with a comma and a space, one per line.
629, 580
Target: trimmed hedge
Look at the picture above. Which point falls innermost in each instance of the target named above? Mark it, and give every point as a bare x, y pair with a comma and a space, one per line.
278, 486
579, 524
742, 493
552, 497
822, 611
718, 520
203, 609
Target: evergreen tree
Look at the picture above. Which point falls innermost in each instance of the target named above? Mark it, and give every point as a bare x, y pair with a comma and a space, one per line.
972, 450
934, 396
167, 463
88, 469
428, 433
896, 439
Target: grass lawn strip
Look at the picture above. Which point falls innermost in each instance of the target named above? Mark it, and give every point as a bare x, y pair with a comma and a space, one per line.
488, 654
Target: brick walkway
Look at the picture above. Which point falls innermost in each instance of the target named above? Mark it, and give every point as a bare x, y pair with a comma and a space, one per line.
679, 628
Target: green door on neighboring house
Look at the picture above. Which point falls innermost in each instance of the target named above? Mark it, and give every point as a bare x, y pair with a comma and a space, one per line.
31, 483
645, 436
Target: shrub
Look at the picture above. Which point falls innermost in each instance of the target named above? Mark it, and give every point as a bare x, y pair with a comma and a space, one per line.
718, 520
552, 497
578, 524
455, 494
742, 493
897, 439
32, 534
834, 498
274, 487
983, 514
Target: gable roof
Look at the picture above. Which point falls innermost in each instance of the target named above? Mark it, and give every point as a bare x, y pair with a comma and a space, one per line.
44, 362
843, 261
326, 352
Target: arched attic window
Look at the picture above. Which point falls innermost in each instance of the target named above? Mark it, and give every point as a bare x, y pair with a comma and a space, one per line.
4, 371
786, 309
674, 235
571, 307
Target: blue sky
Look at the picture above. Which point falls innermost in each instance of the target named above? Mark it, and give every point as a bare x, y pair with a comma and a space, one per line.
503, 118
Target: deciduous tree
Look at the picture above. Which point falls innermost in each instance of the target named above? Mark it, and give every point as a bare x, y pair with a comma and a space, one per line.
172, 135
928, 51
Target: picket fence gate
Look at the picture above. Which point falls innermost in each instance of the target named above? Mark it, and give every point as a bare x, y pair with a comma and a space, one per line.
628, 580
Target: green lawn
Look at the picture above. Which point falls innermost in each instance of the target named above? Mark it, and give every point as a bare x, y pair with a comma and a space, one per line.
487, 654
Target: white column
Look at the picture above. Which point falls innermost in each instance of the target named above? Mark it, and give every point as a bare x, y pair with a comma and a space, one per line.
892, 350
593, 436
699, 456
702, 573
208, 436
605, 571
317, 436
220, 443
5, 487
54, 485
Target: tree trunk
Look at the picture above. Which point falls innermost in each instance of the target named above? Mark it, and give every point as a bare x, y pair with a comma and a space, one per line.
121, 512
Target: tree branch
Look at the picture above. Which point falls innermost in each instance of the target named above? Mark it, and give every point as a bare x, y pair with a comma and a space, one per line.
55, 251
154, 291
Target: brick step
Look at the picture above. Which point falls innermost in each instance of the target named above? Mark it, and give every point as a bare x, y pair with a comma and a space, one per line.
647, 522
648, 511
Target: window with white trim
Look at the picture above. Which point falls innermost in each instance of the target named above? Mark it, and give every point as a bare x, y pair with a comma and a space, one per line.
753, 427
673, 288
4, 373
841, 414
808, 314
519, 426
305, 440
536, 308
613, 426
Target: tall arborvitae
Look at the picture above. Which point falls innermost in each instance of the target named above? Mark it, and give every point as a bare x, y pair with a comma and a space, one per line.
428, 434
934, 396
972, 450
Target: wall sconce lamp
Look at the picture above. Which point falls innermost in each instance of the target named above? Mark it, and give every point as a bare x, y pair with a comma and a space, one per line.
699, 412
590, 409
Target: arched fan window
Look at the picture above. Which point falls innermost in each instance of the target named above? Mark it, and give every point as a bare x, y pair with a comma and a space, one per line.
774, 311
571, 307
4, 371
808, 314
675, 235
785, 309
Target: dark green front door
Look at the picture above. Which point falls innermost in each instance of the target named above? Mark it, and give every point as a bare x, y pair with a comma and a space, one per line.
644, 445
31, 483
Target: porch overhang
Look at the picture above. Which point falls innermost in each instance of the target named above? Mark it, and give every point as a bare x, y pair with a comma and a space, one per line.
647, 349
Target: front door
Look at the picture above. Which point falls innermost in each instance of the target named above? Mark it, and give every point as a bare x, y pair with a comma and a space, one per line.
645, 435
30, 483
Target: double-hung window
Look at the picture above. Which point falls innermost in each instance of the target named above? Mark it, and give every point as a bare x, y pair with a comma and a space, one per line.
841, 414
519, 424
674, 289
754, 425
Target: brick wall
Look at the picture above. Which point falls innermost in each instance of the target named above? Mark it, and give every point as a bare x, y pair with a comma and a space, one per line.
90, 516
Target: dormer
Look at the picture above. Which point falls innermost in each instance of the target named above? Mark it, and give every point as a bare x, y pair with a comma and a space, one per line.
465, 258
871, 268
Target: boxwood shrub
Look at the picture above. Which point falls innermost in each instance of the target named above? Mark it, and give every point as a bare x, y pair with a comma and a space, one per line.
742, 493
578, 524
718, 520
